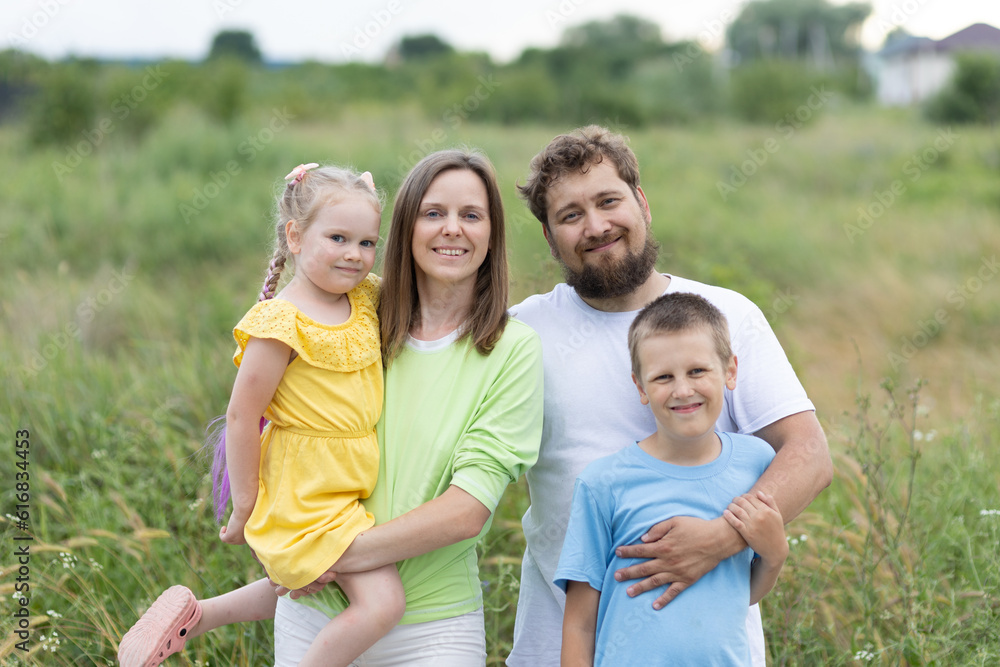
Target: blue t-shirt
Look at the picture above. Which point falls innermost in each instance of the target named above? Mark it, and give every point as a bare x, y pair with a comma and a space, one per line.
615, 501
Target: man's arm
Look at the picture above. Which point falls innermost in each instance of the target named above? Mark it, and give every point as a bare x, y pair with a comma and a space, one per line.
682, 549
579, 632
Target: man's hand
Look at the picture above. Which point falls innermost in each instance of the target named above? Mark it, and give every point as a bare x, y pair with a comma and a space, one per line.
680, 551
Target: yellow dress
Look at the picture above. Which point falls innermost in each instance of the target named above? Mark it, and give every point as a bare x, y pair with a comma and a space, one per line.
319, 455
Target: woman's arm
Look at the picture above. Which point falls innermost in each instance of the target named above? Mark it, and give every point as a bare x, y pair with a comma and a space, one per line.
263, 365
453, 516
579, 632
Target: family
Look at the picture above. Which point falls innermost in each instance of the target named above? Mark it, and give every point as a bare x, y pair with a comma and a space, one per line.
375, 423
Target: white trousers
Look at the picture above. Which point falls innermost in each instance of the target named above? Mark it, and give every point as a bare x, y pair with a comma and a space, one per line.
450, 642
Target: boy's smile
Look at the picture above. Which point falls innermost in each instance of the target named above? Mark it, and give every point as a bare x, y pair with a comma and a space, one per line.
683, 381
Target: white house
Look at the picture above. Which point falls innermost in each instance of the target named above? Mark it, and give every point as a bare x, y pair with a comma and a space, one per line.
911, 69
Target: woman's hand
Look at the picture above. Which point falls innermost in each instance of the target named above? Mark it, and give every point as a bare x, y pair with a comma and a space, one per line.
314, 587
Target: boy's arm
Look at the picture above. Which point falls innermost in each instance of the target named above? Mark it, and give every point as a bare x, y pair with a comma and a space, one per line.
579, 624
757, 518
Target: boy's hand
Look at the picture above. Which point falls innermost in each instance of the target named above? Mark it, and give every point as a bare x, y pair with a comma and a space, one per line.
232, 533
757, 518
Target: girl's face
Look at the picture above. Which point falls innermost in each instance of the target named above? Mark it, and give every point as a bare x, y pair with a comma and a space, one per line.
451, 235
336, 252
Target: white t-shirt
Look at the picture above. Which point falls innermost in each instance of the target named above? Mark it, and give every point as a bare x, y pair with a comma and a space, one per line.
592, 407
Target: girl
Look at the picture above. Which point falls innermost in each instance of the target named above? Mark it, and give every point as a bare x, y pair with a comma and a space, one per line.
310, 364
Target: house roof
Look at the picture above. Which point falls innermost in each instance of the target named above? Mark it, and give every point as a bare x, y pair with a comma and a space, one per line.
976, 37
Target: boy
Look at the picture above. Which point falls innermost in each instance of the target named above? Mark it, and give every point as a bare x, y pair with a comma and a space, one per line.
681, 364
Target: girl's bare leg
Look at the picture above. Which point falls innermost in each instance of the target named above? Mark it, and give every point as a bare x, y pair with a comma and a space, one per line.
253, 602
377, 602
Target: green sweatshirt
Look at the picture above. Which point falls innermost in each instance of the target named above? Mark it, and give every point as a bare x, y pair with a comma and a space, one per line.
452, 416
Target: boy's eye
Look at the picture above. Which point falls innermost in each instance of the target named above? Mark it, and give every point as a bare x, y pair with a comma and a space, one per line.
336, 238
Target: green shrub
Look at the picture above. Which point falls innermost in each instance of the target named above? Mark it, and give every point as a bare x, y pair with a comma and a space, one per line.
765, 91
973, 95
65, 106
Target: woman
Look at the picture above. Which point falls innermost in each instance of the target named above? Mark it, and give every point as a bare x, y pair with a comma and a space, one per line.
462, 418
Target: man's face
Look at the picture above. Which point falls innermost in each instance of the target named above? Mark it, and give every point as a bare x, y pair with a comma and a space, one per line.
599, 232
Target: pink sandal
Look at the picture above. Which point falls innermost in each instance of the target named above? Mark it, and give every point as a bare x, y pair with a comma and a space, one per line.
162, 630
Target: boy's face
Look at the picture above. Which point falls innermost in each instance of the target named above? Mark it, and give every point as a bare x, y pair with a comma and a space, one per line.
683, 381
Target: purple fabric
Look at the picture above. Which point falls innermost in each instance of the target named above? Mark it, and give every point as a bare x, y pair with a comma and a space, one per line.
221, 492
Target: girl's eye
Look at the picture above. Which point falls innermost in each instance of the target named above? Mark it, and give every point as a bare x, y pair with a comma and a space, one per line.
368, 244
336, 238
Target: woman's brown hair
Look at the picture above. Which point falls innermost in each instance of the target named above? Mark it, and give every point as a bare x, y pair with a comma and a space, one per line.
399, 310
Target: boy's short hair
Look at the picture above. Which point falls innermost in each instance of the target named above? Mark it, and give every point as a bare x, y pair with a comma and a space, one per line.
673, 313
576, 152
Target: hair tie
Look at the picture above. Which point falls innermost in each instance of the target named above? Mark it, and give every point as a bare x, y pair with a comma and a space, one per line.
369, 181
295, 175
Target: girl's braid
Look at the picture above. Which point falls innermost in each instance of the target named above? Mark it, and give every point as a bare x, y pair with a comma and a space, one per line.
273, 275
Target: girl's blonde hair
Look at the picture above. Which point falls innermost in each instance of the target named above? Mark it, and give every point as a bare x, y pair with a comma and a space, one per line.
301, 200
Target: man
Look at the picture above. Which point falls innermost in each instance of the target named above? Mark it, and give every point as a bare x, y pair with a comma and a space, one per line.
584, 189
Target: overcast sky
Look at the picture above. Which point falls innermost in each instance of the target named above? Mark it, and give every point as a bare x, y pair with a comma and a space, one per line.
331, 31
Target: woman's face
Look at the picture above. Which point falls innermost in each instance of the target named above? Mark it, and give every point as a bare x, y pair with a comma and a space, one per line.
451, 235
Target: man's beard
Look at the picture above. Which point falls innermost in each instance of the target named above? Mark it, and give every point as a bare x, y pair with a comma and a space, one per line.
610, 280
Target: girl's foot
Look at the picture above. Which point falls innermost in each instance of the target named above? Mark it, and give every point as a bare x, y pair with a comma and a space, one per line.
162, 630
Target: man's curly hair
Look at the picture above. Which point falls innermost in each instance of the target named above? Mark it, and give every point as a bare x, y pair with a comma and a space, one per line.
577, 152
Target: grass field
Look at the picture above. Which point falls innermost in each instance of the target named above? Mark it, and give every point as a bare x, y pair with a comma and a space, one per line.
868, 238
